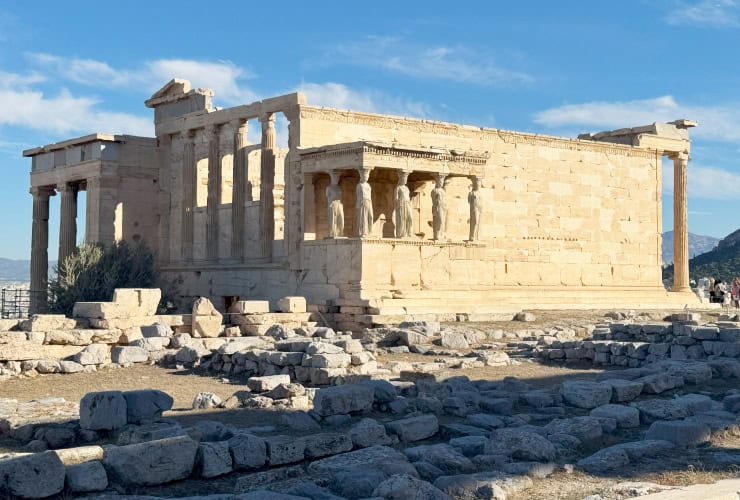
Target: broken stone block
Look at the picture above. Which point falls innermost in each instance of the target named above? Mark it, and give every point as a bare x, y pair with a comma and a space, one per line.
343, 399
156, 330
584, 394
47, 322
213, 459
327, 443
453, 340
491, 484
87, 477
402, 486
206, 320
267, 382
94, 354
250, 307
151, 463
103, 410
36, 475
205, 400
521, 444
414, 428
659, 383
624, 390
369, 432
679, 432
292, 305
128, 354
145, 406
285, 449
443, 456
248, 451
626, 416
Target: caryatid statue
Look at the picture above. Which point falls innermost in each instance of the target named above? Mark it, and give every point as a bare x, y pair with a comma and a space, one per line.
476, 208
404, 220
439, 208
335, 207
364, 205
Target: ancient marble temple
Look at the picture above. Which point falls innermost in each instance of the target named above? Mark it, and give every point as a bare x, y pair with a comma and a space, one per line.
368, 214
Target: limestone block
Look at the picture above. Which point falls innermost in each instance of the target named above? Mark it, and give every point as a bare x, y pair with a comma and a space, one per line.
30, 350
69, 337
285, 449
414, 428
151, 463
140, 301
339, 360
70, 367
46, 322
206, 320
80, 454
128, 354
103, 410
36, 475
156, 330
681, 433
369, 432
405, 486
251, 307
267, 383
521, 444
146, 405
248, 451
343, 399
292, 304
585, 394
626, 416
213, 459
87, 477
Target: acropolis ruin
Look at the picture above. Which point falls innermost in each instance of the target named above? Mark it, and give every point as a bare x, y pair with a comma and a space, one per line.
371, 215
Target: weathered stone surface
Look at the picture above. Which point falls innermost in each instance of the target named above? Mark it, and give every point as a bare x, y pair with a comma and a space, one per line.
521, 445
151, 344
87, 477
384, 391
405, 487
37, 475
443, 456
490, 485
103, 410
248, 451
302, 422
605, 460
585, 429
292, 304
206, 320
343, 399
213, 459
205, 400
151, 463
94, 354
47, 322
325, 444
585, 394
267, 383
624, 390
145, 406
128, 354
285, 449
357, 473
659, 382
29, 350
453, 340
679, 432
156, 330
369, 432
133, 434
626, 416
414, 428
660, 409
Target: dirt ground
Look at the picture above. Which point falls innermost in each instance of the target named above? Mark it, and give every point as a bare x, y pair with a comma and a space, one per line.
687, 468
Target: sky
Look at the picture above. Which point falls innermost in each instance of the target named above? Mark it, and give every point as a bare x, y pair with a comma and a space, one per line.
72, 68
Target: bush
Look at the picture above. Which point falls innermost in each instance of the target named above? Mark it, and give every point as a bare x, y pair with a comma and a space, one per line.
94, 271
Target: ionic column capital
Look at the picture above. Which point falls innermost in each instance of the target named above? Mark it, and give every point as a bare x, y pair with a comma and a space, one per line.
41, 192
239, 125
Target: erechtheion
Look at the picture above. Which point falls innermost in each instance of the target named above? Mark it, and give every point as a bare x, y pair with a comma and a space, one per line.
371, 214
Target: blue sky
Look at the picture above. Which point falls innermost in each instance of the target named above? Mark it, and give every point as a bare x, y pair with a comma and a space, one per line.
562, 68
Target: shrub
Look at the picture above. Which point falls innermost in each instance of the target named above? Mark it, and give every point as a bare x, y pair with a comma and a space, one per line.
94, 271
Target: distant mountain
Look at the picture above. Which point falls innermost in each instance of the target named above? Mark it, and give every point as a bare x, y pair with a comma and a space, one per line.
15, 271
698, 245
722, 262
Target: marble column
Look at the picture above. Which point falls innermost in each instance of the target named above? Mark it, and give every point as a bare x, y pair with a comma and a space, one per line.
67, 220
267, 184
214, 193
188, 193
240, 190
680, 225
92, 210
39, 249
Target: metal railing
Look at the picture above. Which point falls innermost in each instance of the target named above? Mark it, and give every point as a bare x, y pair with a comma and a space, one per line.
15, 302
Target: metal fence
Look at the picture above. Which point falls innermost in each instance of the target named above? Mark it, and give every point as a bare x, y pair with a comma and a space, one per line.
14, 302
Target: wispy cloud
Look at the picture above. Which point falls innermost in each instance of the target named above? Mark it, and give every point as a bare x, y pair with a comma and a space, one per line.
712, 13
225, 77
718, 122
337, 95
456, 63
705, 182
28, 107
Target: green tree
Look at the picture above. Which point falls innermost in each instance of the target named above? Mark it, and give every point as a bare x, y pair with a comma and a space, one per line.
94, 271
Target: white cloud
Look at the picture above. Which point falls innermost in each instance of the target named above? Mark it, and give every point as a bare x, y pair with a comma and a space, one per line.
65, 113
224, 77
337, 95
705, 182
714, 13
719, 122
453, 63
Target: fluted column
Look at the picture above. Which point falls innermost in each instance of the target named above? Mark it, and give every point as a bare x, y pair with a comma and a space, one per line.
267, 184
67, 220
680, 225
39, 249
188, 193
240, 188
214, 193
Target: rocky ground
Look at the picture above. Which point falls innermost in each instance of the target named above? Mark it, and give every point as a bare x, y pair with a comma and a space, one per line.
527, 430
